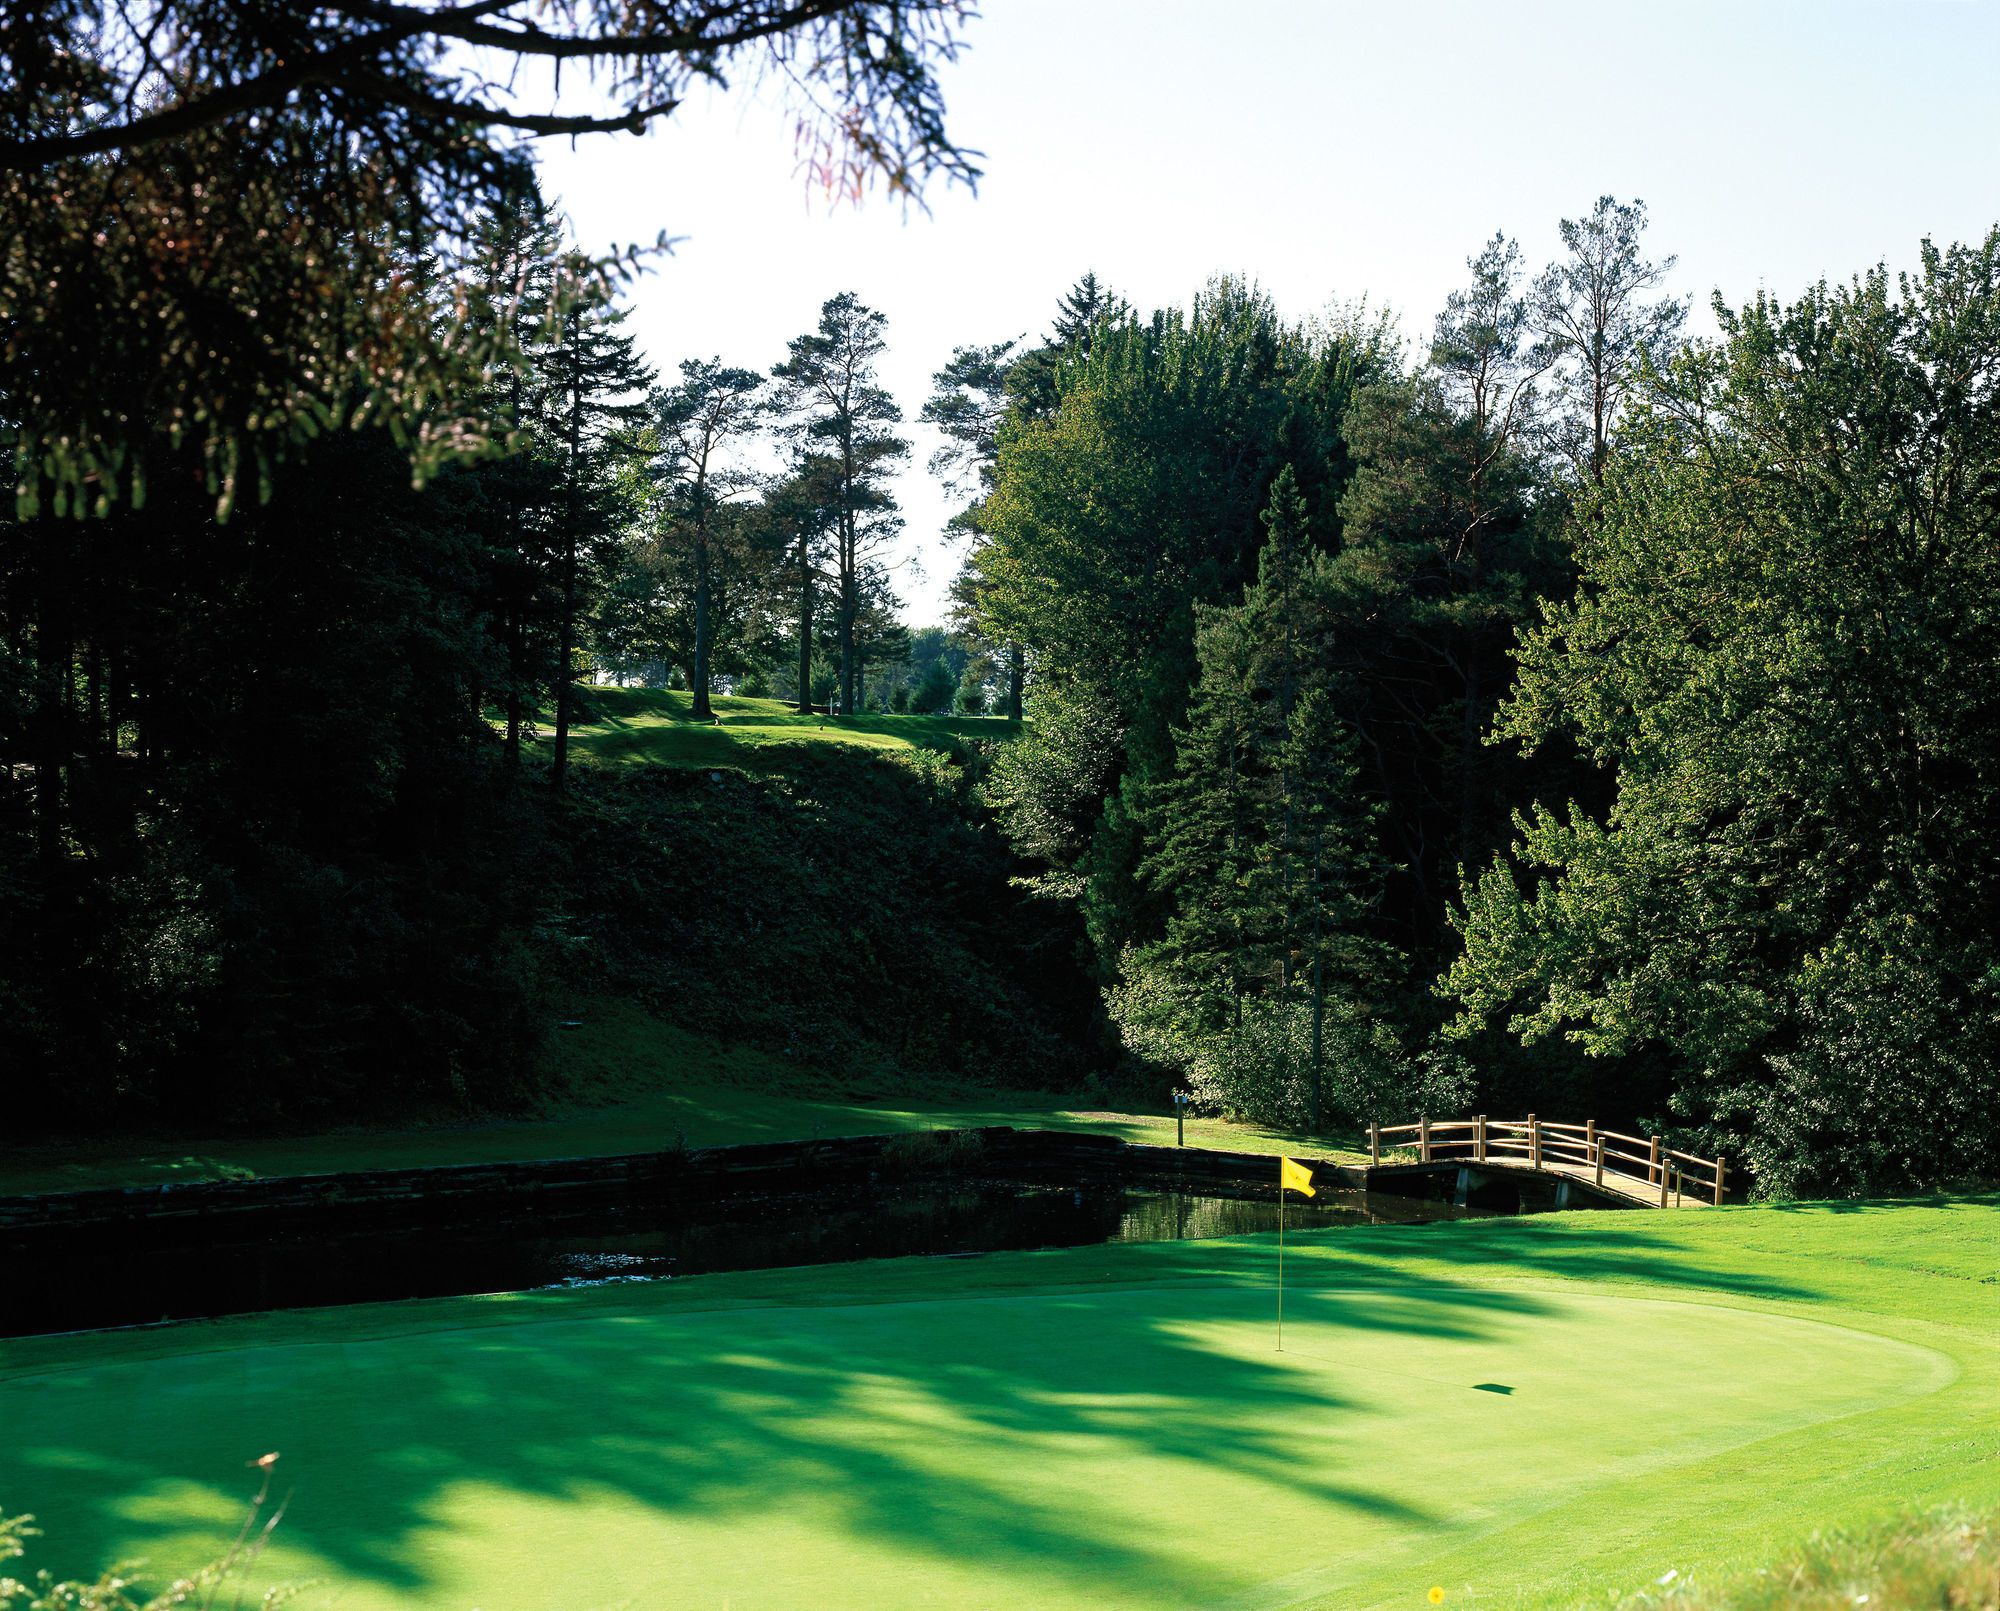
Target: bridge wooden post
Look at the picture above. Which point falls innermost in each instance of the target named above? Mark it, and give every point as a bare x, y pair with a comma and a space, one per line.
1593, 1148
1479, 1138
1374, 1145
1424, 1138
1653, 1164
1534, 1142
1721, 1169
1664, 1168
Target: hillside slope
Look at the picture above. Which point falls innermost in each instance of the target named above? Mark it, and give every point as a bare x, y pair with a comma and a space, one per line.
847, 906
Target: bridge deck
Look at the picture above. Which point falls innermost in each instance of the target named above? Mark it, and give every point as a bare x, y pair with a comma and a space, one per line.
1626, 1189
1627, 1168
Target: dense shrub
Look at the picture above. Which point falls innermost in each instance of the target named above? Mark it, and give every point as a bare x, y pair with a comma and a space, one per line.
1258, 1063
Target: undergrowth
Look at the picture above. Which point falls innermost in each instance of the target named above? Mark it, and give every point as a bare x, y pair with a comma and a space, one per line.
1945, 1560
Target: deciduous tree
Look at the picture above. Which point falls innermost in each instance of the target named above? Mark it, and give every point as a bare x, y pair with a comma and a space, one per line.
1784, 645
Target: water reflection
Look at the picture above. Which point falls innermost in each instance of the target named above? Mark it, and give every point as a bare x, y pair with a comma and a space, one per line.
72, 1283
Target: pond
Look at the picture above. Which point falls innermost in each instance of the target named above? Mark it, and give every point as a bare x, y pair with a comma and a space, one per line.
73, 1282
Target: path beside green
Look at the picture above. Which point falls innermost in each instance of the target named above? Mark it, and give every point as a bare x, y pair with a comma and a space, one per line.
639, 1084
1582, 1400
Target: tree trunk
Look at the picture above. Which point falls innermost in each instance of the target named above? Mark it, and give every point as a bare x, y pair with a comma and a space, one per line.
805, 703
52, 667
1468, 751
516, 653
698, 681
566, 635
847, 662
118, 698
850, 610
565, 648
1319, 1016
1016, 675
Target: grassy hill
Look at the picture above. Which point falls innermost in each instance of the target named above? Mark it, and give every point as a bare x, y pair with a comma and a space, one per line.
653, 724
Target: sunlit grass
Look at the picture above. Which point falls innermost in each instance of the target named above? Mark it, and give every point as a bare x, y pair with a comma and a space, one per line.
1092, 1428
654, 724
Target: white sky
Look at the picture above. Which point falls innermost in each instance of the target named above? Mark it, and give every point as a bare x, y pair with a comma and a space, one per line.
1327, 149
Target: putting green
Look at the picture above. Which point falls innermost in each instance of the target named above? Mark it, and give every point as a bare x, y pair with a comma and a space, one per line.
904, 1435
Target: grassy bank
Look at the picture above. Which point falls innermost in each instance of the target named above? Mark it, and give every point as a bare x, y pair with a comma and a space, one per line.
1585, 1402
635, 1083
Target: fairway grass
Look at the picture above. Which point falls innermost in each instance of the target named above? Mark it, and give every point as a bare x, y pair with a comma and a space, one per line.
654, 725
1493, 1407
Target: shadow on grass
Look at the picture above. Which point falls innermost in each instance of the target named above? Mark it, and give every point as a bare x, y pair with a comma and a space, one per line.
908, 1420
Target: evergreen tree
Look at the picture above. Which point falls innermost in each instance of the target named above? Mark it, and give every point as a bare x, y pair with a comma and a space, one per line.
1034, 380
802, 510
967, 403
1589, 314
834, 408
1177, 426
697, 425
1320, 877
972, 395
1450, 538
592, 399
517, 284
1267, 980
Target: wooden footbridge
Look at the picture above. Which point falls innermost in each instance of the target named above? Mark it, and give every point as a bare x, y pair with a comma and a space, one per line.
1636, 1169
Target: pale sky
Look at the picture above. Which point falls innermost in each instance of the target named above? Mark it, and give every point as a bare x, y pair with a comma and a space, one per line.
1327, 149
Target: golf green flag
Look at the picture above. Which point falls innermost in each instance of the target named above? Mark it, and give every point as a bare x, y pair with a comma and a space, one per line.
1295, 1175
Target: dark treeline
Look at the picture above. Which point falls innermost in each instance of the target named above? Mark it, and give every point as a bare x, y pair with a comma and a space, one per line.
289, 819
1566, 716
1575, 719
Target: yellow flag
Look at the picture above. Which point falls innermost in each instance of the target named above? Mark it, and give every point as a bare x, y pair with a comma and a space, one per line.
1295, 1175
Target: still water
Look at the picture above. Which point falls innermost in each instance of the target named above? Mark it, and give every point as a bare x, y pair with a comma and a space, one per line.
73, 1284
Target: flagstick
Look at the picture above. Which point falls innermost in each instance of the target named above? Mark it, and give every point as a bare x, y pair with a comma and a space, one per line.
1281, 1266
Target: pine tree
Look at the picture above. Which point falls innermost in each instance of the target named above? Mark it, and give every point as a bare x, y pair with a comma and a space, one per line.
1320, 874
697, 424
834, 407
803, 510
590, 405
1263, 842
971, 397
516, 286
1204, 822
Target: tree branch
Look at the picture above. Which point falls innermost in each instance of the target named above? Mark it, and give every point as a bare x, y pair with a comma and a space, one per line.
345, 66
529, 40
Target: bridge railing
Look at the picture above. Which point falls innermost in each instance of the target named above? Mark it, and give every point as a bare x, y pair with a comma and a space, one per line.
1569, 1149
